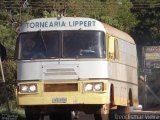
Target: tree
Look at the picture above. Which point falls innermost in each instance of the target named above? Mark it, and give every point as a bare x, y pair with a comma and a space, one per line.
115, 13
147, 32
148, 29
8, 39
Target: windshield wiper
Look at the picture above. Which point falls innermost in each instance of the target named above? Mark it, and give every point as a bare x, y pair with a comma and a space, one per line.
43, 41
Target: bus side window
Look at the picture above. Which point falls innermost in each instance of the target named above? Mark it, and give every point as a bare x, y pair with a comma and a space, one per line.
116, 49
111, 47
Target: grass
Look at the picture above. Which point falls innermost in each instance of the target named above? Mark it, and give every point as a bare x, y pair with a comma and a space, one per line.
16, 113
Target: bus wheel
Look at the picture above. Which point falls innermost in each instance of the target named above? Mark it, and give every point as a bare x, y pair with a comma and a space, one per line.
32, 113
102, 113
60, 116
122, 112
125, 111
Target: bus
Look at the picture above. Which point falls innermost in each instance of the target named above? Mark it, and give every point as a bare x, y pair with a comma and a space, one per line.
67, 64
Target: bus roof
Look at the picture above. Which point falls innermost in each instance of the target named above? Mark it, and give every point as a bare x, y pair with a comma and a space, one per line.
118, 33
62, 23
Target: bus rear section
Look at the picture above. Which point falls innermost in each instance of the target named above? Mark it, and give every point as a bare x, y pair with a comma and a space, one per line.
66, 65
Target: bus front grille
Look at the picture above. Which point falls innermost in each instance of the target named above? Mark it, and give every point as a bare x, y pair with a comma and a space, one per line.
61, 87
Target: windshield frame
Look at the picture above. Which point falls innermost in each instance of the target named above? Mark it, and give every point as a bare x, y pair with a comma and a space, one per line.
41, 39
60, 45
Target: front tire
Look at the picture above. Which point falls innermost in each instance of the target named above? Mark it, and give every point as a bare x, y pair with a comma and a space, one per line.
60, 116
32, 113
102, 113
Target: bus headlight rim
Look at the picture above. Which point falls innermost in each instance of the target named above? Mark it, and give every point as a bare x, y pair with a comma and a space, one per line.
98, 87
88, 87
23, 88
32, 88
27, 88
93, 87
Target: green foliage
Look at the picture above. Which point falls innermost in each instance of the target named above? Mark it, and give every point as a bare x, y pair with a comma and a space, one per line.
10, 78
16, 112
8, 38
148, 13
115, 13
147, 32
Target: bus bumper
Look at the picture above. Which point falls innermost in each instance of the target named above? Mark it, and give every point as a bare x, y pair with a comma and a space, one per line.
63, 98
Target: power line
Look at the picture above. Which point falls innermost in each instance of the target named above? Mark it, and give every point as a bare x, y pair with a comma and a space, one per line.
139, 2
76, 6
8, 5
145, 5
94, 9
75, 1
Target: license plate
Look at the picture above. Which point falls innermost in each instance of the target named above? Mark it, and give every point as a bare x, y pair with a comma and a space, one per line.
59, 100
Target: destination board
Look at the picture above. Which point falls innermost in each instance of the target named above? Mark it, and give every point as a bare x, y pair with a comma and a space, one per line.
151, 56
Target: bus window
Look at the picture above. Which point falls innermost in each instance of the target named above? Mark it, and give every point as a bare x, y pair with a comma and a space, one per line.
62, 44
38, 45
116, 50
51, 40
111, 48
83, 44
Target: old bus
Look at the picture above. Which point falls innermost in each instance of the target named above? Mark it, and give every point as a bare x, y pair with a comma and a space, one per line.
75, 64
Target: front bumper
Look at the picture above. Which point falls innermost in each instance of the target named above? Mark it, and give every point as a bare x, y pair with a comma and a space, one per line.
62, 98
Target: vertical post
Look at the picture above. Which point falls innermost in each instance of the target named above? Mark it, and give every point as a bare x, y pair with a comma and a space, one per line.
2, 73
145, 76
145, 90
20, 13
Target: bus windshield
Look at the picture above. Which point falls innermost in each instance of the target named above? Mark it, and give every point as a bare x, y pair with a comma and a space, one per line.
62, 44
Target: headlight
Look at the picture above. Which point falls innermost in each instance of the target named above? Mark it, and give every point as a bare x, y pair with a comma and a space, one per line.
98, 87
23, 88
93, 87
88, 87
33, 88
27, 88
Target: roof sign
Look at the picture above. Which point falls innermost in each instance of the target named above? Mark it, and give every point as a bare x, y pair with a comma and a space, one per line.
64, 23
60, 24
152, 57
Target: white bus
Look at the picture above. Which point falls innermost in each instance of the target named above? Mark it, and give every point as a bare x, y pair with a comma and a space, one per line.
75, 64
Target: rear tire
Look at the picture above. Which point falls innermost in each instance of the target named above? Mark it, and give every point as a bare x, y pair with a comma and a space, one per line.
122, 112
